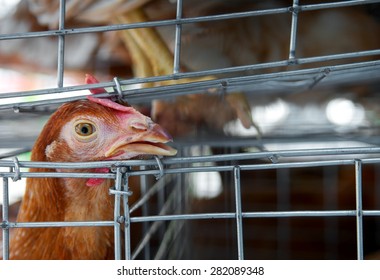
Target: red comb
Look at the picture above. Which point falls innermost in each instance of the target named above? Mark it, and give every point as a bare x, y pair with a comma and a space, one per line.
92, 80
106, 102
111, 104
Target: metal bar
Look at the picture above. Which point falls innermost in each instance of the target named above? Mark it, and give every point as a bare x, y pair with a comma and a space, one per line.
162, 203
5, 222
226, 168
377, 198
159, 92
61, 224
325, 58
144, 207
239, 218
293, 31
178, 40
219, 71
58, 175
199, 159
359, 209
371, 212
280, 154
248, 167
159, 23
188, 169
127, 222
117, 228
61, 44
264, 214
335, 5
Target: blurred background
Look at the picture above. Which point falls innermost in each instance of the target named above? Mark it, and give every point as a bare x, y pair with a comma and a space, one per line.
323, 94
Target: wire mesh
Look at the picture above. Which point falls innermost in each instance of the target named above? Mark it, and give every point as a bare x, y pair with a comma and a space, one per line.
171, 223
173, 167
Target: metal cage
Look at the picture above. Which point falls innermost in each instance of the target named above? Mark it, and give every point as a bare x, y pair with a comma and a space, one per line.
311, 203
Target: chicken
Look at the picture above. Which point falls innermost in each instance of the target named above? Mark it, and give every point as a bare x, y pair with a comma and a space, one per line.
92, 130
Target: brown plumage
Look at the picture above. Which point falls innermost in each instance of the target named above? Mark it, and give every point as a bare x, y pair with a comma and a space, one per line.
77, 132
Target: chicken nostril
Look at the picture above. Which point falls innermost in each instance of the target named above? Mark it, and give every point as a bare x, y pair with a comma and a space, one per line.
139, 126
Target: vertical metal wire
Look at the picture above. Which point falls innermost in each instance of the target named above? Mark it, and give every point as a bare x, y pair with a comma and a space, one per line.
239, 217
179, 181
293, 32
127, 219
359, 209
61, 43
377, 199
160, 203
117, 235
5, 219
178, 31
144, 209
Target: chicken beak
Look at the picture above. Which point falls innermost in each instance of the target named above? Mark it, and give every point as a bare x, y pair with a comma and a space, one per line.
148, 138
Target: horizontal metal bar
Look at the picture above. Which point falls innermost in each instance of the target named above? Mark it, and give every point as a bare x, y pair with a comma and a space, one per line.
201, 216
340, 4
337, 56
5, 218
229, 168
277, 154
159, 23
195, 159
266, 214
160, 92
371, 212
183, 217
61, 224
169, 170
196, 74
211, 158
173, 22
58, 175
290, 214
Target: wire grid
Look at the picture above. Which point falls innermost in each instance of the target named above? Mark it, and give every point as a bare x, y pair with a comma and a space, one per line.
305, 78
121, 191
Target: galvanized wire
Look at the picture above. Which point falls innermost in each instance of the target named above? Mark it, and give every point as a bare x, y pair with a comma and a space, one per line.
252, 82
5, 219
255, 83
359, 208
197, 87
239, 215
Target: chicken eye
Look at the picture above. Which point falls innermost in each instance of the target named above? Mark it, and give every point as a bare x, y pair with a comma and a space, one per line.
85, 129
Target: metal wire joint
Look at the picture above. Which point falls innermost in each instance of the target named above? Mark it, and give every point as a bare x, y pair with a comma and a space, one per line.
118, 89
160, 167
17, 175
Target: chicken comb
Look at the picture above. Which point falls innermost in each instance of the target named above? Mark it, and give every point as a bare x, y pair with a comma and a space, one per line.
89, 79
